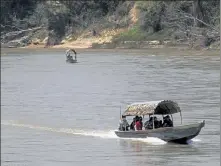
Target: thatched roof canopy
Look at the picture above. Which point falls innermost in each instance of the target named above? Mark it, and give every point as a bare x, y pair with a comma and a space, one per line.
152, 107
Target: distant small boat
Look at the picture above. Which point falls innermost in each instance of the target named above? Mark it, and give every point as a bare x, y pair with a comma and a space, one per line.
179, 134
69, 58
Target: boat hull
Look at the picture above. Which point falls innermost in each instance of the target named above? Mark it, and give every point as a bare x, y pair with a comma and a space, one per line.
71, 61
178, 134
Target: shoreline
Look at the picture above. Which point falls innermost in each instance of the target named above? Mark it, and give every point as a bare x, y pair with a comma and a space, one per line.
144, 45
184, 51
153, 47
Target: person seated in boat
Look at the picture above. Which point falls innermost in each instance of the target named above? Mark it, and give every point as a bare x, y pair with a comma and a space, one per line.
133, 124
146, 125
149, 124
141, 123
136, 118
123, 124
160, 123
167, 122
157, 123
138, 124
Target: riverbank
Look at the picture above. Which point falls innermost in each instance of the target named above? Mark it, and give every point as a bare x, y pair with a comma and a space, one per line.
118, 25
104, 42
120, 38
152, 44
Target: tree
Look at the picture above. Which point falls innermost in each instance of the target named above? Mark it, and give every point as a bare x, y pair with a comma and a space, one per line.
197, 13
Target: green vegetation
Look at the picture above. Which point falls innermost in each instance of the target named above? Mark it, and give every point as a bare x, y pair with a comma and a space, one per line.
133, 34
194, 21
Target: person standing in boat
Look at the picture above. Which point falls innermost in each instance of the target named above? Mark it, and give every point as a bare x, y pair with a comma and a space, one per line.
124, 125
75, 54
68, 54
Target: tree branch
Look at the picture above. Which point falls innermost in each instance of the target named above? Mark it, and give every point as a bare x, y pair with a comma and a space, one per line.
4, 26
192, 17
14, 33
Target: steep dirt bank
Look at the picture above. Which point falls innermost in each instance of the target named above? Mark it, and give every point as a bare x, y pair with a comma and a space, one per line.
105, 40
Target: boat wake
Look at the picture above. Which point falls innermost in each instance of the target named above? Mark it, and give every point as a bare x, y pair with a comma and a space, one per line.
193, 140
148, 140
196, 140
96, 133
102, 134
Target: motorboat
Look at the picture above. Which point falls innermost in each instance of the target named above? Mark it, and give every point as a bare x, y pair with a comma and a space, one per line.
179, 134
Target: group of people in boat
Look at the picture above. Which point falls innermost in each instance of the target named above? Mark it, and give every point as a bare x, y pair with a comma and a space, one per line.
137, 123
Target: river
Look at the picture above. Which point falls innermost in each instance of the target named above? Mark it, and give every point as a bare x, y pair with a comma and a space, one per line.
54, 113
